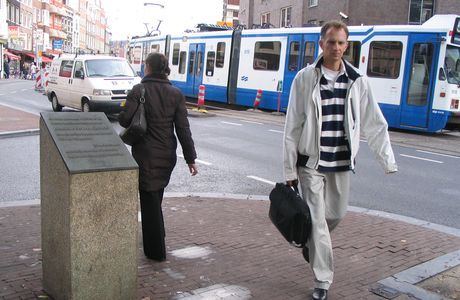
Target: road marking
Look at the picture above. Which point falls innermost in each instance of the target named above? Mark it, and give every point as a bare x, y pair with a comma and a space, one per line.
252, 122
25, 90
421, 158
440, 154
13, 92
261, 179
230, 123
198, 161
277, 131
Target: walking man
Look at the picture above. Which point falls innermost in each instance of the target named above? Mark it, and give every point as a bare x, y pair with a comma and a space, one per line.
330, 106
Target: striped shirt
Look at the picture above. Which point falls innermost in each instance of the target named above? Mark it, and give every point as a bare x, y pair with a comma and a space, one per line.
334, 148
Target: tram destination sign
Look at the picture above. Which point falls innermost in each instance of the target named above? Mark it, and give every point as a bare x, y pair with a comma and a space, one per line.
87, 142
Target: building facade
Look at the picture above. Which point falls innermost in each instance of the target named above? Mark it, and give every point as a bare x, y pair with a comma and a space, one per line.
230, 12
54, 26
301, 13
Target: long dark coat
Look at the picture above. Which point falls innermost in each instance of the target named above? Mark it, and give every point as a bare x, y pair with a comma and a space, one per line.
165, 112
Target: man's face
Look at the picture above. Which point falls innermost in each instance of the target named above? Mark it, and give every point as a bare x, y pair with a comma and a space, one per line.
334, 45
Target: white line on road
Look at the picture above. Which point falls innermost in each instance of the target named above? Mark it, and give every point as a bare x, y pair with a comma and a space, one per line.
277, 131
13, 92
197, 160
261, 179
440, 154
25, 90
252, 122
230, 123
421, 158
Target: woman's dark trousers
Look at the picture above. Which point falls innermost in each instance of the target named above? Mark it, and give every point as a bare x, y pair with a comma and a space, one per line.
153, 229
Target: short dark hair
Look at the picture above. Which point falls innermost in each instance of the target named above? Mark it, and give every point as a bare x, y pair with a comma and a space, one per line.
158, 64
333, 24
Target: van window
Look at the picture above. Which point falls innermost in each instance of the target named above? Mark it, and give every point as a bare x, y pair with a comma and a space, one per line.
66, 68
108, 68
267, 56
78, 67
384, 59
220, 55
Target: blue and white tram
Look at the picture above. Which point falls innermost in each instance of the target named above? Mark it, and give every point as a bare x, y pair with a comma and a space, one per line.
414, 71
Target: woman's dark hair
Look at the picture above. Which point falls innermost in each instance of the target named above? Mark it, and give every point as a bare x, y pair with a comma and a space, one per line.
158, 64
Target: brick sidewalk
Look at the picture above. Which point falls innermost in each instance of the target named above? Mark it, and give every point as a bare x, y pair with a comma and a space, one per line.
16, 120
246, 255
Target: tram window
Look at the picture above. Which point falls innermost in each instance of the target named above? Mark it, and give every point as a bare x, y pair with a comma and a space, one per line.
191, 62
309, 54
422, 57
182, 61
267, 56
384, 59
353, 53
210, 63
220, 55
294, 51
154, 48
175, 58
199, 63
137, 55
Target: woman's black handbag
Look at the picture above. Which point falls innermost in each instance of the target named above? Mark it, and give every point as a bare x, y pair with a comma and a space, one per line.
138, 126
290, 214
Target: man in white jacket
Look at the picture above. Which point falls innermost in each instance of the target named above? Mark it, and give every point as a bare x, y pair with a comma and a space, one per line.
330, 106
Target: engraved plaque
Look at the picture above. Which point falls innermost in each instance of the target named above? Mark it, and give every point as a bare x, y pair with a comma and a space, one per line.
87, 142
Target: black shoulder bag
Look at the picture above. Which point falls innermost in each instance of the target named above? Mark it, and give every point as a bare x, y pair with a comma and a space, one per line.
290, 214
138, 126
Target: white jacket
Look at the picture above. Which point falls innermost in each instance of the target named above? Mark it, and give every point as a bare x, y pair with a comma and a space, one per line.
302, 130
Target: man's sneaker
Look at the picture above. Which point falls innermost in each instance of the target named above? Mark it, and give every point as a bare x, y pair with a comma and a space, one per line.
306, 254
319, 294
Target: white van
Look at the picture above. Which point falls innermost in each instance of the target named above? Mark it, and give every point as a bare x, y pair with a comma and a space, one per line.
90, 82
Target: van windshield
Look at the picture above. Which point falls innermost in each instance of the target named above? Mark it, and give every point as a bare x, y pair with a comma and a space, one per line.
108, 68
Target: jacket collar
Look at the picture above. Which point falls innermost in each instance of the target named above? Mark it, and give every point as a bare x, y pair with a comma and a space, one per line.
351, 72
154, 79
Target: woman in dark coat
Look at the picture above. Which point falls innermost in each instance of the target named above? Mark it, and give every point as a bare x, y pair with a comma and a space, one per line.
155, 154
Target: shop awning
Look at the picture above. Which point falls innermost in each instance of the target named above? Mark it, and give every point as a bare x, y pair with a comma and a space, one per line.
46, 59
30, 55
12, 56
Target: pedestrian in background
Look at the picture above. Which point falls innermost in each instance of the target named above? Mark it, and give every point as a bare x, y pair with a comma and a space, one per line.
155, 154
6, 67
330, 105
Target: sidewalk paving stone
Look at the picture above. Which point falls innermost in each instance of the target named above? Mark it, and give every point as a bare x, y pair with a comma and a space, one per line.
228, 248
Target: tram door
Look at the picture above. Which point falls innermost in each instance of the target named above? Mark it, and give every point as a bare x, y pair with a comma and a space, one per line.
301, 52
195, 68
419, 88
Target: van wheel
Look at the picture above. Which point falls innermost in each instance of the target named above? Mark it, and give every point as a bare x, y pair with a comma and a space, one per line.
85, 106
55, 103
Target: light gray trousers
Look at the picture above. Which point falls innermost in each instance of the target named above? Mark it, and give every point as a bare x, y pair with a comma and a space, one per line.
327, 197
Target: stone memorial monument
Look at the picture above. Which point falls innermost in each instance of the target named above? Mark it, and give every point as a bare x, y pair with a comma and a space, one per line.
89, 215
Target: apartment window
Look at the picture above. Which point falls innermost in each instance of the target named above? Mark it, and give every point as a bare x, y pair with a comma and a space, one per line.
210, 63
267, 56
312, 3
220, 55
285, 17
384, 59
420, 11
265, 18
